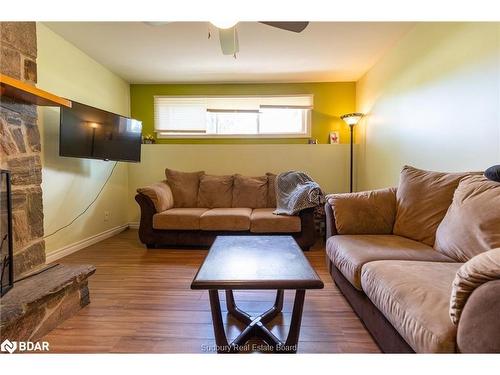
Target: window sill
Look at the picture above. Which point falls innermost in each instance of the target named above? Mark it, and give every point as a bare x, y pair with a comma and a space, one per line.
230, 136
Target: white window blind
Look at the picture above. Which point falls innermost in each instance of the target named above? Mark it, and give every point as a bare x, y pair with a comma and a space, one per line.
232, 116
177, 115
276, 120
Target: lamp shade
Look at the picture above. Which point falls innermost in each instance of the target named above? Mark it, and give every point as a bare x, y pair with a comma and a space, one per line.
352, 118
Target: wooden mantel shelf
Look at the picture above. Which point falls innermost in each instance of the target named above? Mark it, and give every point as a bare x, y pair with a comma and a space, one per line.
15, 89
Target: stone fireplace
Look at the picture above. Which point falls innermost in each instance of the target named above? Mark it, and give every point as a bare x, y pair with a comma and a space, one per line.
42, 296
6, 257
20, 147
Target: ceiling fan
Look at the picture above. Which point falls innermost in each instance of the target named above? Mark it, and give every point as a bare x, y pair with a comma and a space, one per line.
228, 35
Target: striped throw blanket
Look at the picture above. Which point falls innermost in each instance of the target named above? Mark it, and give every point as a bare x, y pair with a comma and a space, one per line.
296, 191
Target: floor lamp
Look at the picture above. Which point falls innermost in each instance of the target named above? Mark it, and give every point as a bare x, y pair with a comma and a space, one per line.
351, 119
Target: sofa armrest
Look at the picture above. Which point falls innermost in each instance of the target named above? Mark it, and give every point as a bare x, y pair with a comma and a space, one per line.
368, 212
160, 194
331, 228
478, 330
471, 275
307, 236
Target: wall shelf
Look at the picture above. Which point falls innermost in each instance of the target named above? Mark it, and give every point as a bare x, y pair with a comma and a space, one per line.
18, 90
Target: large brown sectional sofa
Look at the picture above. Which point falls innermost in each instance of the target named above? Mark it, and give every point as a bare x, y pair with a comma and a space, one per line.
192, 209
420, 264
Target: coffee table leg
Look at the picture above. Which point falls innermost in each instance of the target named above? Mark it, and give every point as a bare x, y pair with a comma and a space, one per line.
278, 303
220, 334
256, 325
246, 318
275, 310
298, 306
232, 309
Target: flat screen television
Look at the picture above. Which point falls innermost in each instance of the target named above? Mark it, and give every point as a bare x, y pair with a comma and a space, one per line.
91, 133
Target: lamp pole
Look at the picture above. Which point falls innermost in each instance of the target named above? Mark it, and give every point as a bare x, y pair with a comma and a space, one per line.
351, 119
352, 155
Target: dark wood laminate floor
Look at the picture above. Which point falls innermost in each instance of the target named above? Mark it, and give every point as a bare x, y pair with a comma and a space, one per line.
141, 302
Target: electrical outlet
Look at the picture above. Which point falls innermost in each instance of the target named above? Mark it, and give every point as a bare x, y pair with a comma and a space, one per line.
106, 215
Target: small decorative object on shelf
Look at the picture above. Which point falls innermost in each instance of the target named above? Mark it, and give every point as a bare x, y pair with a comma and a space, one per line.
6, 257
148, 139
312, 141
334, 138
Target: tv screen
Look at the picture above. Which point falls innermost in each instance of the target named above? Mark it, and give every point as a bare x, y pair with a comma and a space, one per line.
88, 132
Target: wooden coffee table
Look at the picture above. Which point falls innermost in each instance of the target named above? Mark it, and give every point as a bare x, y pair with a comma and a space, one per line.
256, 262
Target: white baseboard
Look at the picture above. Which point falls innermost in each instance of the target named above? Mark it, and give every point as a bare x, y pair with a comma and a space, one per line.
70, 249
133, 225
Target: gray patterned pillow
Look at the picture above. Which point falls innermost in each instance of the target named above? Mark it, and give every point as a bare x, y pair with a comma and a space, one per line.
493, 173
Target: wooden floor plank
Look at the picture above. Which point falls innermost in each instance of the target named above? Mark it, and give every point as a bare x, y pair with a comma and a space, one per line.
141, 302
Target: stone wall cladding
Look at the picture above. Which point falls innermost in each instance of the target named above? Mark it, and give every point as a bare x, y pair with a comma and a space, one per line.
37, 305
20, 146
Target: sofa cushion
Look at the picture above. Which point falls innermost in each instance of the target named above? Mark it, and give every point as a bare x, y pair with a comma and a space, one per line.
215, 191
179, 219
184, 186
263, 220
230, 219
368, 212
160, 194
423, 198
250, 192
472, 223
271, 190
480, 269
350, 252
414, 296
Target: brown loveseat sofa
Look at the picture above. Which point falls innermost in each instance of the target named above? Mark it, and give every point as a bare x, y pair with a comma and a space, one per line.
191, 209
420, 264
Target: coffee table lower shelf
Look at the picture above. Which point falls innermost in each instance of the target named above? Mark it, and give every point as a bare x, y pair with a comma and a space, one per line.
256, 325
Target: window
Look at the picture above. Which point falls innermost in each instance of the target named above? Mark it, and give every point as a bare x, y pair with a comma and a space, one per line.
233, 116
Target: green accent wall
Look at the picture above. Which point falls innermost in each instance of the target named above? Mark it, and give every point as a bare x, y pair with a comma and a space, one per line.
331, 100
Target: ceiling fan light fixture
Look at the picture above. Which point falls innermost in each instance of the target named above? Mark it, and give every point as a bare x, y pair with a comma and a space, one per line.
224, 24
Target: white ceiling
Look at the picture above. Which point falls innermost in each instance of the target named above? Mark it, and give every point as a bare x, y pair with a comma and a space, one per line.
181, 51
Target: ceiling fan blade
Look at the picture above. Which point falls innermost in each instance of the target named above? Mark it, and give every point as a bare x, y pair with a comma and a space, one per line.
229, 41
296, 27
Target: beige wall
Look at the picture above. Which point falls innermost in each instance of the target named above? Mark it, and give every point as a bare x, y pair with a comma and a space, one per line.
327, 164
432, 101
70, 184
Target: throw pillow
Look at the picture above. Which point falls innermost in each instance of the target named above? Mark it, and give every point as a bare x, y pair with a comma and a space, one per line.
367, 212
472, 223
423, 197
493, 173
184, 186
250, 192
215, 191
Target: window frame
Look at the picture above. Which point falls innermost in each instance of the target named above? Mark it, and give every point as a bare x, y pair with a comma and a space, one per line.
166, 135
